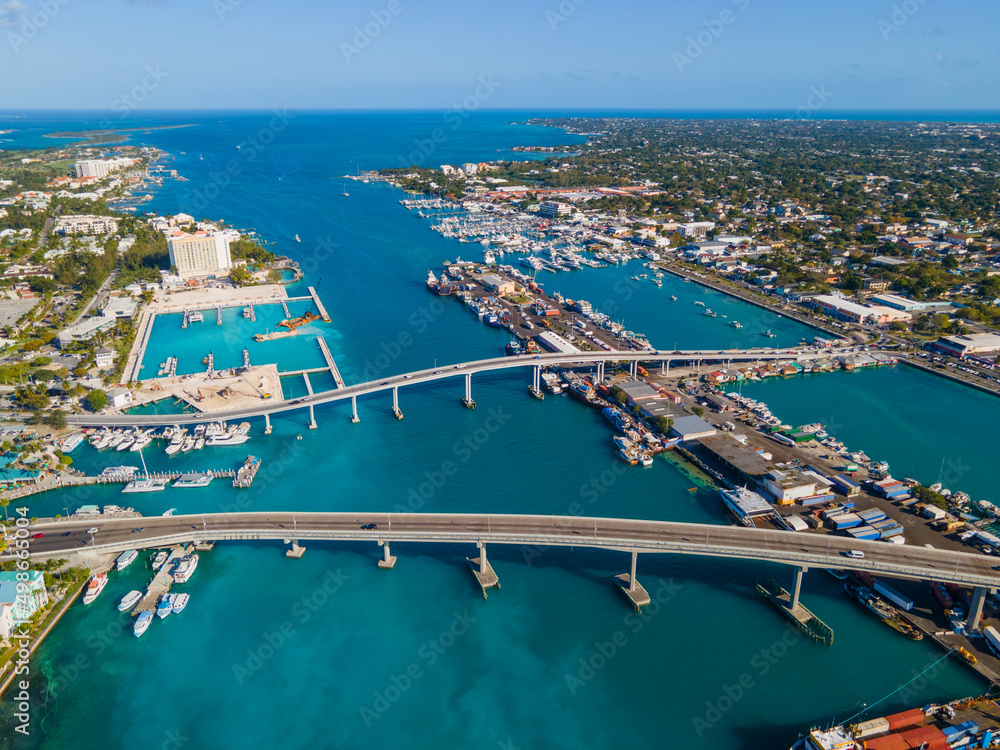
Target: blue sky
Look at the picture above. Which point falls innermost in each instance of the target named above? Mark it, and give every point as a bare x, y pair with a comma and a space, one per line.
717, 54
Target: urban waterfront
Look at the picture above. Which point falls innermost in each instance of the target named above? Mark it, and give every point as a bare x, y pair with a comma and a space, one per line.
348, 654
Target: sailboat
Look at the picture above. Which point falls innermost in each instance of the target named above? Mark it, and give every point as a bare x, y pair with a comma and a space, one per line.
345, 189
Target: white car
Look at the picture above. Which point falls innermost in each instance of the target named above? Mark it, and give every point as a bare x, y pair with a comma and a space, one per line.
857, 554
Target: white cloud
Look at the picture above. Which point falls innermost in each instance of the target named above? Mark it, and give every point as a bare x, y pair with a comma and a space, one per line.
11, 14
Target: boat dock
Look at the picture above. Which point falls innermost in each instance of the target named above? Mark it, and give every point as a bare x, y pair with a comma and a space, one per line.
309, 386
169, 475
160, 584
284, 306
319, 305
218, 315
801, 617
245, 476
329, 361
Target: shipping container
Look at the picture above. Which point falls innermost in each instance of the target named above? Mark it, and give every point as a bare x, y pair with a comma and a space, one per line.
815, 500
893, 596
872, 514
863, 532
872, 728
905, 719
844, 521
882, 524
890, 532
889, 742
783, 439
845, 485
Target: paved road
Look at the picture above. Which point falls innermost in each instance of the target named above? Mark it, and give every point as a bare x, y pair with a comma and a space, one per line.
431, 374
97, 295
803, 550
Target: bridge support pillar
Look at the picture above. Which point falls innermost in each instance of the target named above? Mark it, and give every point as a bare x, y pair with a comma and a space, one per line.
354, 410
633, 368
267, 424
467, 401
312, 418
600, 372
395, 404
388, 561
976, 610
797, 586
483, 571
630, 586
296, 551
535, 389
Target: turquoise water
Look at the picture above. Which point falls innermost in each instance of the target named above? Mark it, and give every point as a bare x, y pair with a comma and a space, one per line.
359, 659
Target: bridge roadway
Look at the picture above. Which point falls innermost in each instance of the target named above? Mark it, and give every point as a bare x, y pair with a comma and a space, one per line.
802, 550
440, 373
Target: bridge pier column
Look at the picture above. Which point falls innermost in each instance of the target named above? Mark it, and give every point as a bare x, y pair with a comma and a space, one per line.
630, 586
354, 410
312, 418
395, 404
388, 561
296, 551
633, 369
976, 610
483, 571
535, 389
600, 372
467, 401
267, 424
797, 586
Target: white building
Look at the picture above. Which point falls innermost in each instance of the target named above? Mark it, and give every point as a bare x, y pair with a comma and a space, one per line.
24, 598
696, 228
199, 254
6, 621
119, 397
104, 357
469, 168
100, 168
86, 224
85, 330
552, 209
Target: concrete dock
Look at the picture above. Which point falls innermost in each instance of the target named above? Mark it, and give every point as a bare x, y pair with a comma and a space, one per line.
486, 577
329, 361
319, 305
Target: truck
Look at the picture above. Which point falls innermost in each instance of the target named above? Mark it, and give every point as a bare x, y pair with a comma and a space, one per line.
893, 596
992, 638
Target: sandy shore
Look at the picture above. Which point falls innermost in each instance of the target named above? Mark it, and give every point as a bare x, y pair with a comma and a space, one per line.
212, 394
210, 297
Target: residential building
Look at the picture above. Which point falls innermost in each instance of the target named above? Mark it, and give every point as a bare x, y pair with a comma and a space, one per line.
86, 224
199, 254
25, 600
6, 622
553, 209
104, 357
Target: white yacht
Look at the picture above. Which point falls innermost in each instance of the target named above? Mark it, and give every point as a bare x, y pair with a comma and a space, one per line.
141, 442
187, 445
125, 559
129, 600
180, 602
146, 484
94, 587
193, 480
126, 443
185, 568
142, 623
159, 559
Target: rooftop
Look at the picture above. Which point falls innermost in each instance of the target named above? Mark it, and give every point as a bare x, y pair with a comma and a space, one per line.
735, 454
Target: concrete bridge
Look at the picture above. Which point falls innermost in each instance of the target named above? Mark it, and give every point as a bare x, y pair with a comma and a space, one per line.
802, 551
467, 370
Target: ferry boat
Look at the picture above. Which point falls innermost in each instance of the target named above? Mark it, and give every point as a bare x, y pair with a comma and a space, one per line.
165, 606
142, 623
745, 504
193, 480
69, 444
180, 602
125, 559
710, 313
159, 559
185, 569
147, 484
129, 600
94, 587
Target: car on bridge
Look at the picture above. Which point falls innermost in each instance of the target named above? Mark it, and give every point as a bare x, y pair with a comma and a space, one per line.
856, 554
369, 526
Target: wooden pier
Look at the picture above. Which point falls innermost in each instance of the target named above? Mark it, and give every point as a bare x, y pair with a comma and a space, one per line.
160, 584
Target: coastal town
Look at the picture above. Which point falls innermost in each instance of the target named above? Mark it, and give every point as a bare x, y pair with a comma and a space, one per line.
85, 290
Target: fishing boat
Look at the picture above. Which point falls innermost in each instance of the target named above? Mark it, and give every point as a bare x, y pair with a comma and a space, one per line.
736, 324
710, 313
768, 334
129, 600
882, 610
142, 623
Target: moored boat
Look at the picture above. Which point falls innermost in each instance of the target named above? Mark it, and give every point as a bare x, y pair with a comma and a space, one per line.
125, 559
129, 600
142, 623
94, 587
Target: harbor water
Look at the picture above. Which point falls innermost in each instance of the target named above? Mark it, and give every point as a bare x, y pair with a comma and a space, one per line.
330, 651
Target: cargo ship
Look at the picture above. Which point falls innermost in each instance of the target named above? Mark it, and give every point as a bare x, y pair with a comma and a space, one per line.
293, 323
882, 610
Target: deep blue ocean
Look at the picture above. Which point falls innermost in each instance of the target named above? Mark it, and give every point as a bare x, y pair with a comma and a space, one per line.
330, 651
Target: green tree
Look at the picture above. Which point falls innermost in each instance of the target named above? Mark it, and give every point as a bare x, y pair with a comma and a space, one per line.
34, 397
56, 419
97, 399
699, 411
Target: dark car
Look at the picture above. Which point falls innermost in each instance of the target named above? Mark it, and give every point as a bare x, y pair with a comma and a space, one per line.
67, 533
369, 526
141, 528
